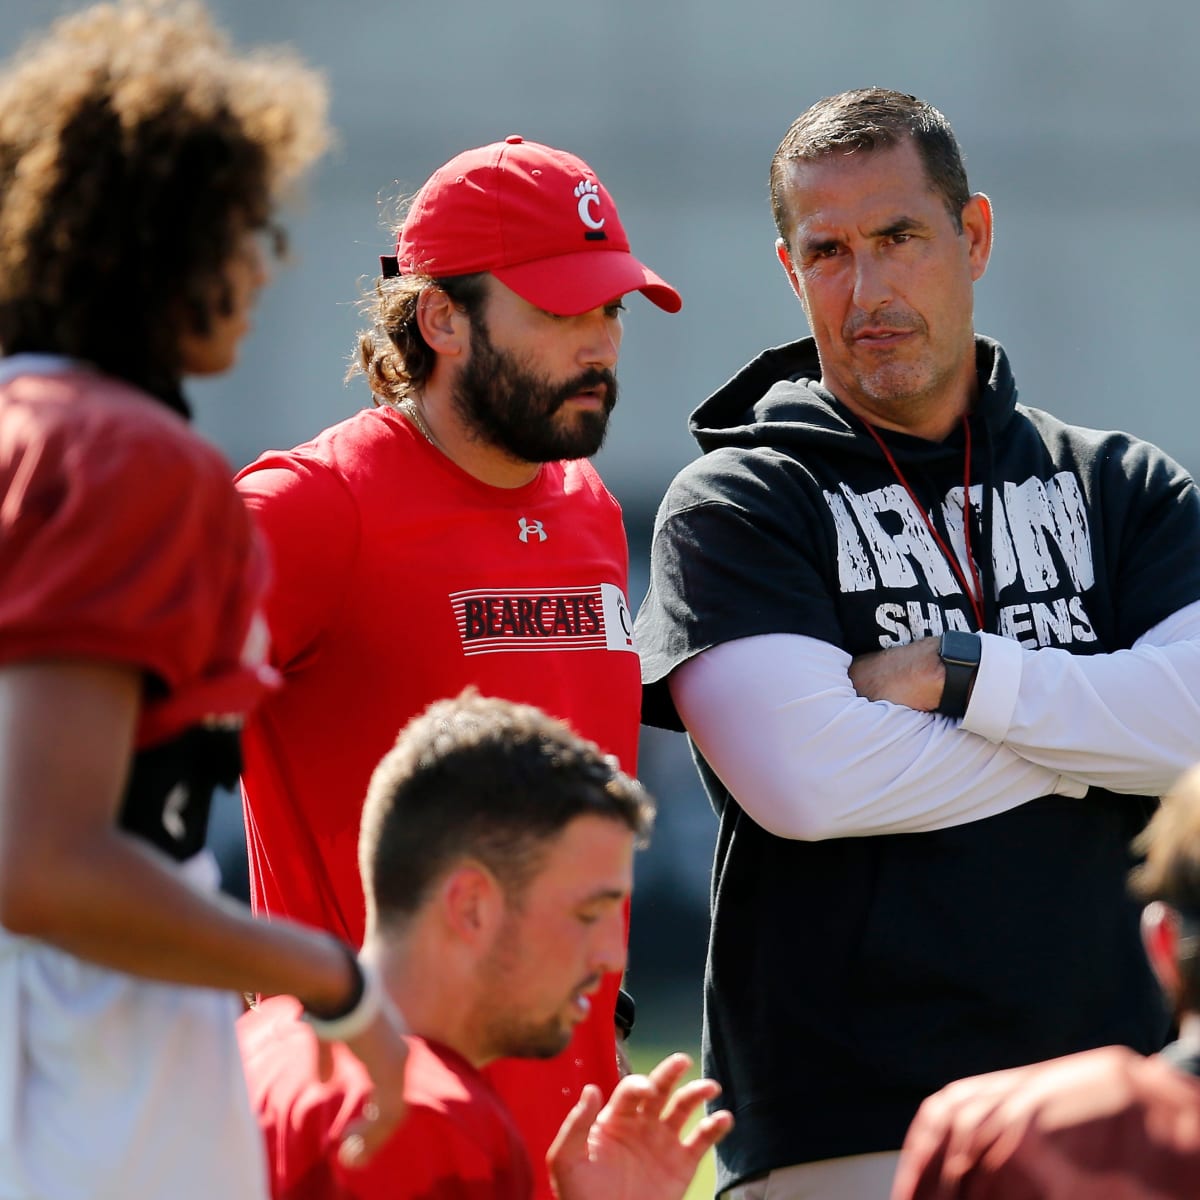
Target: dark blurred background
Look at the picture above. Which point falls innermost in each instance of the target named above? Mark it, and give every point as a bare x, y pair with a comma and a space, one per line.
1078, 117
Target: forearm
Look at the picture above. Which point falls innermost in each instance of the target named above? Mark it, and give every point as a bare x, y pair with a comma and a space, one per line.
119, 903
70, 876
778, 720
1126, 721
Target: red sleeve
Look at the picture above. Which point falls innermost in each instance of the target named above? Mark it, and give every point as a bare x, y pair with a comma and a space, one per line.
124, 541
429, 1158
453, 1144
311, 527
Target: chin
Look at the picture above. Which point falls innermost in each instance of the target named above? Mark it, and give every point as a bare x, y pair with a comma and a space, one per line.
212, 364
546, 1041
896, 389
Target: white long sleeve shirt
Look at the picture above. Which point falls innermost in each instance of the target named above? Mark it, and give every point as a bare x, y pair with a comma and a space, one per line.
778, 720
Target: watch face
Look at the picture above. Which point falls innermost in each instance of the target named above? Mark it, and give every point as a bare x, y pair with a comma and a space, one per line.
959, 647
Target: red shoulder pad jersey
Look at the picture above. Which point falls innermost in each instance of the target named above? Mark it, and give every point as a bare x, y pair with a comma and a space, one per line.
1106, 1124
123, 540
399, 579
456, 1143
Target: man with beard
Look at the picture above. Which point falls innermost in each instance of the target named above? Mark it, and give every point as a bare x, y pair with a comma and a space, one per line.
497, 856
454, 535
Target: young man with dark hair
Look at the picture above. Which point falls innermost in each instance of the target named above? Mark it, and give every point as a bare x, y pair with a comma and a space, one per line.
1107, 1124
937, 651
453, 534
497, 857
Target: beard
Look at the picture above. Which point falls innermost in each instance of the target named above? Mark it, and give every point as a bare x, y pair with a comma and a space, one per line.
508, 1031
518, 1037
514, 408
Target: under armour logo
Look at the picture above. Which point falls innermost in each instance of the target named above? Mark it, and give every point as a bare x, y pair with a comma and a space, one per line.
531, 527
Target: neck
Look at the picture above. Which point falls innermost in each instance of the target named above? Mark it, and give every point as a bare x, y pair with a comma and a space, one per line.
446, 428
932, 415
431, 984
931, 422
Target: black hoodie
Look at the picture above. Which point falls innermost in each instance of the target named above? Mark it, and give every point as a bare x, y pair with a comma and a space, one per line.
849, 978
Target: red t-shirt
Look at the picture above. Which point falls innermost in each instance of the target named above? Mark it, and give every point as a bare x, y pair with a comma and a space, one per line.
123, 540
1103, 1125
456, 1143
399, 579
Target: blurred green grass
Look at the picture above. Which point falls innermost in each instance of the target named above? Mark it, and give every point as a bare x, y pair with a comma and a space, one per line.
642, 1058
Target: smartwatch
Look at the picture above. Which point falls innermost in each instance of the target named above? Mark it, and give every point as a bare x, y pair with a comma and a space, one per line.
959, 653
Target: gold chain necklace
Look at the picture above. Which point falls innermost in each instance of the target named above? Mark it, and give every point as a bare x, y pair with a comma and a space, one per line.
408, 406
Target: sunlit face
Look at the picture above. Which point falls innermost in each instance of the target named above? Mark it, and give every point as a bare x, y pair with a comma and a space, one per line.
537, 386
886, 280
567, 931
245, 276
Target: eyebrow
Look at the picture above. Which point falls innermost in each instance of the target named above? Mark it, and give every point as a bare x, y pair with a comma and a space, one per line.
817, 244
814, 245
899, 225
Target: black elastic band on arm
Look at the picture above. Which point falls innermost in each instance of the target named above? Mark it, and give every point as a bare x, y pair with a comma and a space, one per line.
358, 987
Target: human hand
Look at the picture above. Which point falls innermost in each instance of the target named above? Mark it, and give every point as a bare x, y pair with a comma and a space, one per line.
911, 675
633, 1149
384, 1052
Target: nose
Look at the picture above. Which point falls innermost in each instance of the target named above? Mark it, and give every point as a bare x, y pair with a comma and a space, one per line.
601, 345
609, 948
261, 264
255, 258
871, 287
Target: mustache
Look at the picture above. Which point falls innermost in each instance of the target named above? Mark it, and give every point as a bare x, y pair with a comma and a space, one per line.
895, 322
588, 986
593, 377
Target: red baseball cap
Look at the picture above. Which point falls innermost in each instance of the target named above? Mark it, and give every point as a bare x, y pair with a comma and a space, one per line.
535, 217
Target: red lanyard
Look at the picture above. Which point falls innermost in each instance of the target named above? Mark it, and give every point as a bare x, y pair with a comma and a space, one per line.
973, 594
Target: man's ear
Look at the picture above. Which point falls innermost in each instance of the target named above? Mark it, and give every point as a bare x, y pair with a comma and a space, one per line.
977, 229
445, 327
472, 903
789, 268
1160, 937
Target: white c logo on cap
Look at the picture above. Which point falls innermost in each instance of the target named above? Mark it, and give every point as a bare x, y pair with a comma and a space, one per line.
588, 194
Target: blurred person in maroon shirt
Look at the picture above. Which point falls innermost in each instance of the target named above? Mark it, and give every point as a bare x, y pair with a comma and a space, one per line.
1108, 1124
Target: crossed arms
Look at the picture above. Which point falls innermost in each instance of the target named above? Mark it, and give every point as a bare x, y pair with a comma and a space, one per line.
814, 745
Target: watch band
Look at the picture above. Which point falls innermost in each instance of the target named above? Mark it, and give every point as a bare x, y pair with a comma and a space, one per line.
960, 653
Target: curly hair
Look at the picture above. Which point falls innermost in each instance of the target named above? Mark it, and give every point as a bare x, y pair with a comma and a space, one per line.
136, 149
392, 352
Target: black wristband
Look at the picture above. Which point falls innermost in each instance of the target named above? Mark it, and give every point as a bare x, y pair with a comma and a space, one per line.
960, 653
356, 992
625, 1014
